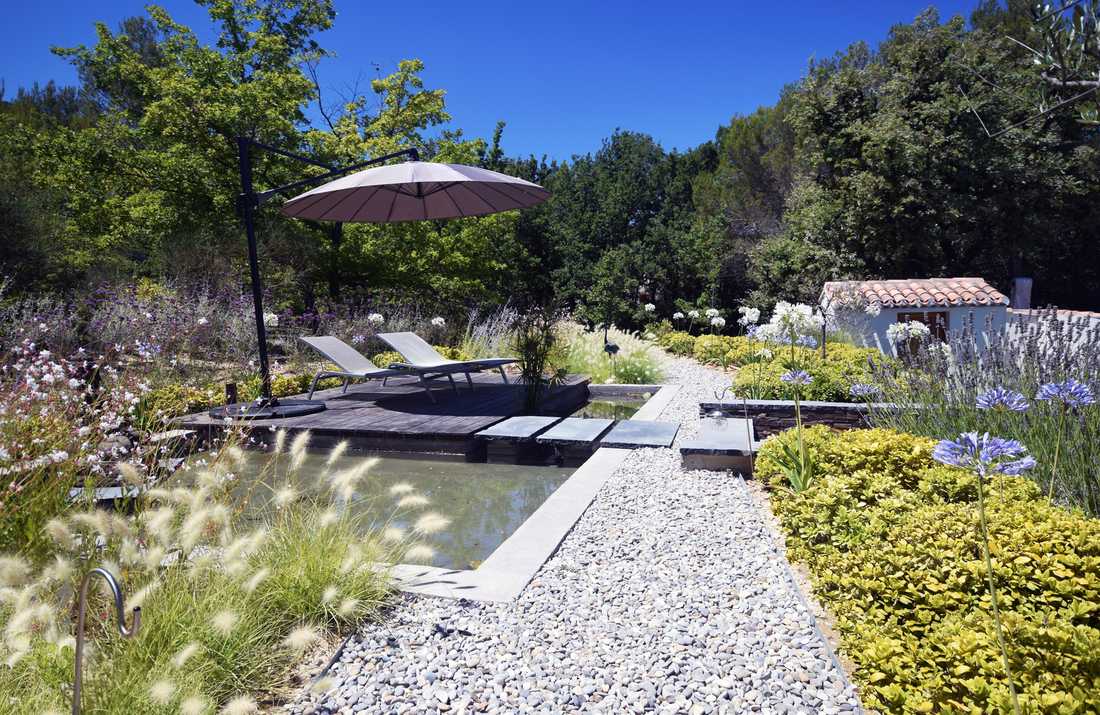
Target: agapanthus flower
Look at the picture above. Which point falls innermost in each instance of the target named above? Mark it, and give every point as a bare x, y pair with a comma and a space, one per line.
796, 377
1001, 398
375, 319
438, 322
693, 314
861, 389
677, 316
749, 316
1071, 393
984, 454
649, 307
712, 312
718, 322
271, 320
902, 332
806, 341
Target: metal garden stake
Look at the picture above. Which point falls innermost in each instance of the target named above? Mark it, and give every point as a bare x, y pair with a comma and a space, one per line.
116, 591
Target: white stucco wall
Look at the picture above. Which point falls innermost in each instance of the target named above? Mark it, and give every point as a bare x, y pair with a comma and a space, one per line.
871, 330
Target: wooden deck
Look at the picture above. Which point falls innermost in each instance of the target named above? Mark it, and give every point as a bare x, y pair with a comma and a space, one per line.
400, 418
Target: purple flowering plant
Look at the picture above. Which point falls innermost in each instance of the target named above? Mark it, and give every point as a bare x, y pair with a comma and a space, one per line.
1002, 398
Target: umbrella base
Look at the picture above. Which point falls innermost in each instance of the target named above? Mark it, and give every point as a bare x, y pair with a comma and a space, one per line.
276, 409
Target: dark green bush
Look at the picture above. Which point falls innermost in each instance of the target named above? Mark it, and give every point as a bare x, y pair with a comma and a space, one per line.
891, 539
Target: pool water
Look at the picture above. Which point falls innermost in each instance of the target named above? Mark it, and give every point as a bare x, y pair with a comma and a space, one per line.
485, 503
612, 408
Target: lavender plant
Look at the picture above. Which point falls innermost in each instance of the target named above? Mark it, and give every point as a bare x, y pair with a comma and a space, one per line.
1033, 380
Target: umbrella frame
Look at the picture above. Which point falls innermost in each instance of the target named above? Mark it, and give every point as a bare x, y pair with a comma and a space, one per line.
268, 406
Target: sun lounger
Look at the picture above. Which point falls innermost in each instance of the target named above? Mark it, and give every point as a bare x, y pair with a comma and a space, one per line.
422, 356
352, 363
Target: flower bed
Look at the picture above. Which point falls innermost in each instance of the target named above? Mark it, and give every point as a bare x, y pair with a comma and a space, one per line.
893, 543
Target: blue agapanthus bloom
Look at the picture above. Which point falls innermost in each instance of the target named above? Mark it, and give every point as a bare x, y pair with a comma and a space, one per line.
1071, 393
984, 454
1001, 398
864, 390
796, 377
806, 341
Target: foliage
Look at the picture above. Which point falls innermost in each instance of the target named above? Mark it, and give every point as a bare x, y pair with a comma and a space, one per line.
892, 541
843, 366
634, 364
936, 393
536, 344
678, 343
712, 348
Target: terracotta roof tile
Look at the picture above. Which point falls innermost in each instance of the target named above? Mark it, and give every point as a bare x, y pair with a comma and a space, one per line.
923, 292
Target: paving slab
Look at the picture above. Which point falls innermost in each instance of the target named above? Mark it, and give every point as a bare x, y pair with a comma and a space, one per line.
575, 430
728, 436
517, 429
641, 433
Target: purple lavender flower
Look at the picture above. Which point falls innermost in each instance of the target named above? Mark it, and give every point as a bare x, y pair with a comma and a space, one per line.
806, 341
863, 390
1071, 393
1001, 398
984, 454
796, 377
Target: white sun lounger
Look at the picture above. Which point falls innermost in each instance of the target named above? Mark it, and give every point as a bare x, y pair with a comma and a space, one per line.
422, 356
352, 363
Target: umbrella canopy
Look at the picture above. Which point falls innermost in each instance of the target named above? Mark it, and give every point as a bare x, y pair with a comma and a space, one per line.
415, 191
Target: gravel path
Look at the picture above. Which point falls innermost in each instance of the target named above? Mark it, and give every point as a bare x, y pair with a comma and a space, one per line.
669, 595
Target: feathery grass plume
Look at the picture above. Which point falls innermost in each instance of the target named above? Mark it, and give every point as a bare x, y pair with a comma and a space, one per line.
348, 607
33, 618
130, 474
411, 501
117, 525
243, 546
59, 571
59, 531
153, 557
93, 521
137, 598
393, 534
323, 685
431, 523
129, 553
158, 494
329, 595
419, 552
256, 579
209, 524
298, 450
280, 441
193, 705
336, 453
301, 638
240, 705
352, 560
13, 571
402, 488
235, 454
161, 691
186, 653
285, 496
225, 621
328, 518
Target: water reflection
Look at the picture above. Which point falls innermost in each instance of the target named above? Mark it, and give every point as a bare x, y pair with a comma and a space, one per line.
618, 408
484, 502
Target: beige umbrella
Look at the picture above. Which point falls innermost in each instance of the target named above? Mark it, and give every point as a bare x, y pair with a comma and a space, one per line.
415, 191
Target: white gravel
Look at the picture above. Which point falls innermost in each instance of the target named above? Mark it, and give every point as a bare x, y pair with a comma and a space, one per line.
669, 595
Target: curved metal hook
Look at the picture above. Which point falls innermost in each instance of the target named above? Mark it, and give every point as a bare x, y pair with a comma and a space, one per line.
120, 611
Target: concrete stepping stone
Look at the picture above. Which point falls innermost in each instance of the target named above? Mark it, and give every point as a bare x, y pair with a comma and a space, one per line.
727, 443
517, 429
631, 434
575, 430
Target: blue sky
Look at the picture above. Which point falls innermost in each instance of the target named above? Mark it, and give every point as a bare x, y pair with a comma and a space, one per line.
563, 75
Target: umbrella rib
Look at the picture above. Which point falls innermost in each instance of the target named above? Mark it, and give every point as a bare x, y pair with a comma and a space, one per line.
454, 204
350, 194
393, 202
490, 186
304, 202
365, 201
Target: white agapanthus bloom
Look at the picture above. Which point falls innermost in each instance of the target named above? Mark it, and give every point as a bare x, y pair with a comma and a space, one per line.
797, 318
375, 319
649, 307
872, 309
713, 312
271, 320
749, 316
438, 321
203, 321
718, 321
903, 332
693, 314
677, 316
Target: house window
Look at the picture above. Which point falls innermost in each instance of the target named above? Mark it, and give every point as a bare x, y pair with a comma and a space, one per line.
937, 322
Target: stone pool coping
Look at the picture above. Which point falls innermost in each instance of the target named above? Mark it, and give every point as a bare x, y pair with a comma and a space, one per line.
512, 565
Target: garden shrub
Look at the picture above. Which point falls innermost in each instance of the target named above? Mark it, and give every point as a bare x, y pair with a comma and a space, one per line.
742, 348
833, 377
678, 343
892, 541
712, 348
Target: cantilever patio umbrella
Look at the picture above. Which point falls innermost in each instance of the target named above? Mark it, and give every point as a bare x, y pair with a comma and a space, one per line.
410, 191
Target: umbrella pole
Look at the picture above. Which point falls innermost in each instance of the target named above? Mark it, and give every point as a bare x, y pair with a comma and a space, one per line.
248, 209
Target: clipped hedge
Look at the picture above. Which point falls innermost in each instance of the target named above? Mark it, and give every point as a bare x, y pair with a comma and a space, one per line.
844, 365
891, 539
